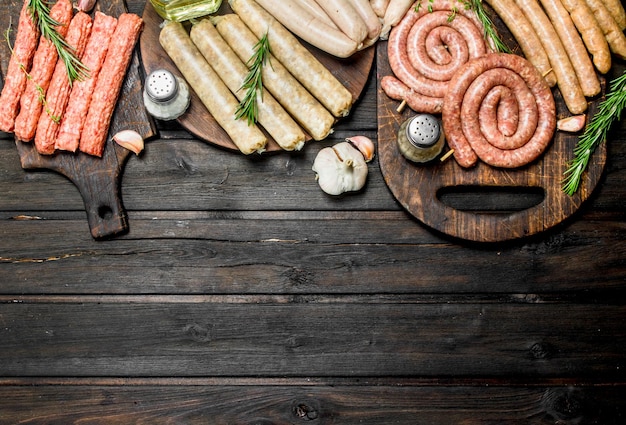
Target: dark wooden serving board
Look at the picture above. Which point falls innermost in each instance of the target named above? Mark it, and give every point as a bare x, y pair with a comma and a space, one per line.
97, 179
420, 189
353, 72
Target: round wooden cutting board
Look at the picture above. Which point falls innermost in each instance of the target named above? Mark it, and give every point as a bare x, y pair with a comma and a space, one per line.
421, 189
352, 73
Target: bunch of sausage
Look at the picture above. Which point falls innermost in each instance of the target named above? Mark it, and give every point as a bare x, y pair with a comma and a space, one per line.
499, 107
39, 103
300, 96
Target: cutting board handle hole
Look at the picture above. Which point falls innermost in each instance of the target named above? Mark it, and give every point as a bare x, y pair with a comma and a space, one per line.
491, 199
105, 212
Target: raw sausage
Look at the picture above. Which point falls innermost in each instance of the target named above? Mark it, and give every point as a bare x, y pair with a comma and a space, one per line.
44, 62
566, 78
614, 35
310, 29
579, 57
591, 33
426, 48
233, 71
211, 90
296, 58
109, 84
525, 35
19, 64
347, 19
73, 119
59, 90
395, 11
296, 100
397, 90
460, 121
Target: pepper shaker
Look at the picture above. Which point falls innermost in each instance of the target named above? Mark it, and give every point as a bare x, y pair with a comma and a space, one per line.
421, 138
165, 95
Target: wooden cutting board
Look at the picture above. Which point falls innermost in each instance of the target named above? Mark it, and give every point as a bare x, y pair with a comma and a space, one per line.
421, 189
353, 72
97, 179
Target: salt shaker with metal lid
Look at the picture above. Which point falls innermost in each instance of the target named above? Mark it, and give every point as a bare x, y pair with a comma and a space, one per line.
421, 138
165, 95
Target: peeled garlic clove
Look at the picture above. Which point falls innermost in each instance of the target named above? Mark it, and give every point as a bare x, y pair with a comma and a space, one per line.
85, 5
130, 140
364, 145
572, 124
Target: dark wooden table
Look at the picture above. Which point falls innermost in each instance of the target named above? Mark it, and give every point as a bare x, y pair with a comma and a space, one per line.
243, 295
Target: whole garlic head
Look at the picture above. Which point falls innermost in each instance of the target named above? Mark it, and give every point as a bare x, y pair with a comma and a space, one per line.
340, 168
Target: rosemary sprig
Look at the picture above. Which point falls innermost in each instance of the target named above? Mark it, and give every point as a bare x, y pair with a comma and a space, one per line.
596, 131
40, 13
253, 83
490, 30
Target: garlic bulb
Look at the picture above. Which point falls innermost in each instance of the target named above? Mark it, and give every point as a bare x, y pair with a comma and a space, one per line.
340, 168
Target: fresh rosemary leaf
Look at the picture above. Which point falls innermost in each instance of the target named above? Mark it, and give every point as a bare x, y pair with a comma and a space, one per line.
253, 83
596, 131
40, 13
490, 30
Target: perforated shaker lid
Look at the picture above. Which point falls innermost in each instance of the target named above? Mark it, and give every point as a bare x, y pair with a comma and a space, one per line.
423, 130
161, 86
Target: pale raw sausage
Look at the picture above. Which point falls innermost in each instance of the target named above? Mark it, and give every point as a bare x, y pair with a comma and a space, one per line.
211, 90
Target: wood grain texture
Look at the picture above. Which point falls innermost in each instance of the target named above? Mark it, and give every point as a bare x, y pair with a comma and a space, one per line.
242, 294
113, 402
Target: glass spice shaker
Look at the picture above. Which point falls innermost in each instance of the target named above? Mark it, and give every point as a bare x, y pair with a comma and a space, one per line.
165, 95
421, 138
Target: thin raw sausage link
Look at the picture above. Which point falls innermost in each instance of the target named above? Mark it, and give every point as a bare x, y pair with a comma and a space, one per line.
211, 90
466, 149
59, 90
44, 62
526, 37
566, 78
73, 119
109, 84
397, 90
20, 62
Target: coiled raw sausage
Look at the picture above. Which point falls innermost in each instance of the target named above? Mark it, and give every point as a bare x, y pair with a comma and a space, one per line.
470, 139
426, 48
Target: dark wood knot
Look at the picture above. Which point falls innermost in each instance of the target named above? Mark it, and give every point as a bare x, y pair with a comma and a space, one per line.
306, 410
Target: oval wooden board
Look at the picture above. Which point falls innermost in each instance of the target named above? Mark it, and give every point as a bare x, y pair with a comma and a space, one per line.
352, 72
419, 188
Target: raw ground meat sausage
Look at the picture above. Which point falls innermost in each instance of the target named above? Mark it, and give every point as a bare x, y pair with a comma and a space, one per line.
59, 90
44, 62
460, 122
426, 48
78, 104
109, 84
21, 59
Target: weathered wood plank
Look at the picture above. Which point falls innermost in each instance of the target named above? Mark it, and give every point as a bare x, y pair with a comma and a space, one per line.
383, 253
300, 339
284, 404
